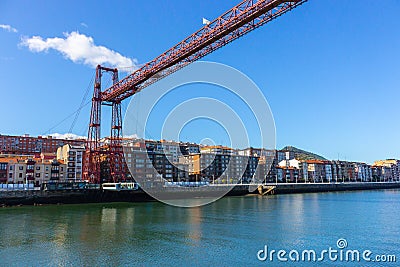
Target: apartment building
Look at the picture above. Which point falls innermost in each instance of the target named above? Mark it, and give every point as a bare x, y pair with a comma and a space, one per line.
3, 171
72, 157
172, 149
383, 166
222, 168
363, 171
22, 170
287, 174
300, 165
27, 145
222, 150
316, 170
148, 166
189, 148
343, 171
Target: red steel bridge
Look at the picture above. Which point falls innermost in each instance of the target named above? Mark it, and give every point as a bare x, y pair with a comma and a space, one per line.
236, 22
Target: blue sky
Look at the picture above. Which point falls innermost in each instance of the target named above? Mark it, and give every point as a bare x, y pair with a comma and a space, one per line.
329, 69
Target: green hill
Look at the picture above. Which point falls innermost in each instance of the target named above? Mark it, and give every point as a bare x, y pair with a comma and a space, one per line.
302, 154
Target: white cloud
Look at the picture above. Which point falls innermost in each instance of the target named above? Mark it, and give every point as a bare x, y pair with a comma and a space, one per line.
84, 24
69, 136
8, 28
80, 49
132, 136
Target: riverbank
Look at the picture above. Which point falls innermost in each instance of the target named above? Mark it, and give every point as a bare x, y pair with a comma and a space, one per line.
291, 188
82, 196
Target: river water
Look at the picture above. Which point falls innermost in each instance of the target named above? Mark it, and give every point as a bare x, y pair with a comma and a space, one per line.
229, 232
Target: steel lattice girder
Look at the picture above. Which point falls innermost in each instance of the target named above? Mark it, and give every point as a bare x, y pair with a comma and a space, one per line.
241, 19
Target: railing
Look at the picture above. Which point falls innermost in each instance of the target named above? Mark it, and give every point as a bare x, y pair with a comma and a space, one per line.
18, 187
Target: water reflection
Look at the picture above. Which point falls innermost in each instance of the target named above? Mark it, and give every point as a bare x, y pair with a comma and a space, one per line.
194, 223
231, 230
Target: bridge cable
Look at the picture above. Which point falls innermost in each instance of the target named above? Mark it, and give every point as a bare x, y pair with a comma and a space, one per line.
84, 98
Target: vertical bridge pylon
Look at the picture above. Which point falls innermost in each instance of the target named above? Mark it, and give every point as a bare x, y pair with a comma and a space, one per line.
95, 150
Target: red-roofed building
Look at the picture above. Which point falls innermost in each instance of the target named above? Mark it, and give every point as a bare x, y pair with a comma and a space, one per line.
22, 170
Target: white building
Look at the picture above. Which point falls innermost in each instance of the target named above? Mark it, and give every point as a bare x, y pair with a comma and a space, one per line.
72, 156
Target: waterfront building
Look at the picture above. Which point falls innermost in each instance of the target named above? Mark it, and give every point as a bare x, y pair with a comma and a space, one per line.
72, 157
172, 149
222, 167
22, 170
328, 172
48, 170
182, 171
394, 166
150, 165
363, 172
257, 152
287, 174
57, 171
300, 169
223, 150
303, 172
210, 167
343, 171
272, 173
291, 174
396, 171
387, 173
266, 165
290, 163
376, 173
280, 155
189, 148
262, 170
251, 169
279, 174
3, 172
285, 155
316, 170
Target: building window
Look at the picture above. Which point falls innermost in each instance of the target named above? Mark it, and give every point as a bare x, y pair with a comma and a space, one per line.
37, 175
21, 168
37, 168
20, 175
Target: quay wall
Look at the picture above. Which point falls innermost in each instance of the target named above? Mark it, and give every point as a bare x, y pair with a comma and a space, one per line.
330, 187
39, 197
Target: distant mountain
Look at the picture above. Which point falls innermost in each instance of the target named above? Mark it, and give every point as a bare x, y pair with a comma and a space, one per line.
302, 154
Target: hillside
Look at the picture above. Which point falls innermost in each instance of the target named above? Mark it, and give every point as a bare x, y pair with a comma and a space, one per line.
302, 154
